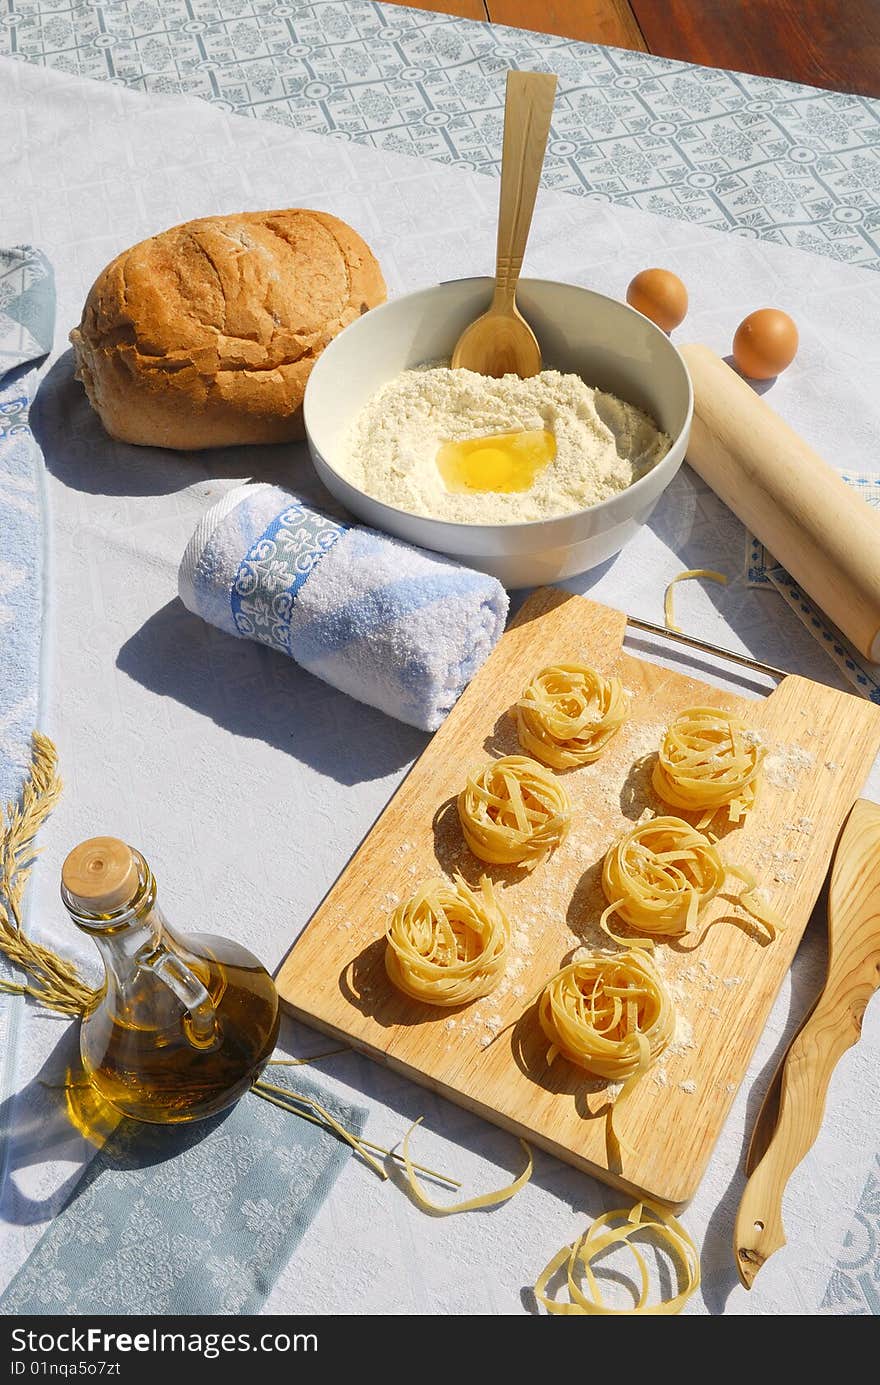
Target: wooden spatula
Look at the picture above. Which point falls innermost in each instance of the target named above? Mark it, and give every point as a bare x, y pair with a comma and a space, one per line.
833, 1025
501, 342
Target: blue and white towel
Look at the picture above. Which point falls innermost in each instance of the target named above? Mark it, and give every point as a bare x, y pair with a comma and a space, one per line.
391, 625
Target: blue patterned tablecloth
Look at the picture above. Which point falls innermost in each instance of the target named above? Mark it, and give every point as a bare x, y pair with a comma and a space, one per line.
754, 156
746, 155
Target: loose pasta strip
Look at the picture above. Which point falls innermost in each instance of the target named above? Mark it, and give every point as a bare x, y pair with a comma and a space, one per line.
448, 944
709, 761
617, 1228
752, 898
660, 876
686, 576
470, 1204
611, 1016
569, 713
513, 812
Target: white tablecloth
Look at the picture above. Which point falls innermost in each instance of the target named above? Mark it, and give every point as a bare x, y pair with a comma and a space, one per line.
247, 784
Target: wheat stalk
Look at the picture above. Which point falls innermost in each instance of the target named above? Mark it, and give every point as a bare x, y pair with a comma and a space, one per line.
51, 980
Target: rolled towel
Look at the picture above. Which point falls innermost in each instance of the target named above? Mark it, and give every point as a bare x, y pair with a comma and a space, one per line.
393, 626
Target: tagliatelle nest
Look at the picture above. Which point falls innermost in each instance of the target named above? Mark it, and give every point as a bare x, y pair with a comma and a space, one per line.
659, 876
448, 944
568, 714
708, 761
513, 811
611, 1016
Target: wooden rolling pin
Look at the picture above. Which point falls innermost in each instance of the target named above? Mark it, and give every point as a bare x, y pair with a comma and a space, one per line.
812, 522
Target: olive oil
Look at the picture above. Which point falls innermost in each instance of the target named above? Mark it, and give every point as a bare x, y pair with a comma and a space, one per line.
183, 1025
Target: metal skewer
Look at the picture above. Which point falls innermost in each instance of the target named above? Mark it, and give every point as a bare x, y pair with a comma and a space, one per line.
745, 660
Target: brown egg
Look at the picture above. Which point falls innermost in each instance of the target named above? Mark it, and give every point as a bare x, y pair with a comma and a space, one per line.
660, 295
765, 343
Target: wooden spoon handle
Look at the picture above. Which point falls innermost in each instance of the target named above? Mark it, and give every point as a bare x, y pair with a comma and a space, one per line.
768, 1116
527, 111
834, 1025
808, 1067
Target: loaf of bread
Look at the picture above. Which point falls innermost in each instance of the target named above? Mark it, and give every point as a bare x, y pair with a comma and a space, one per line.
204, 335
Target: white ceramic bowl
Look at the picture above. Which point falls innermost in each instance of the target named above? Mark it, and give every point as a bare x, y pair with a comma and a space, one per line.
606, 342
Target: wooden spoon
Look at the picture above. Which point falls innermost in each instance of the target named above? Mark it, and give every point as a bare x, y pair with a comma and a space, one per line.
501, 342
833, 1025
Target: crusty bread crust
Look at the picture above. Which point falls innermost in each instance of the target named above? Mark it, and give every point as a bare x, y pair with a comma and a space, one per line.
204, 335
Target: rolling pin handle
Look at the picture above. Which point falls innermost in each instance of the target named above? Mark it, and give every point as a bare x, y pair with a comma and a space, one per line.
814, 524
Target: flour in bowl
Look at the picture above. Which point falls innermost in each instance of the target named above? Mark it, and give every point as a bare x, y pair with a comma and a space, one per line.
602, 444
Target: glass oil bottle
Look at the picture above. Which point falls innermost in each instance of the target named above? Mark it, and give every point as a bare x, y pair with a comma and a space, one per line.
183, 1025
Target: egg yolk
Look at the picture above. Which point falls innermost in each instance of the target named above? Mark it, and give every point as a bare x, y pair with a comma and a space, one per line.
504, 462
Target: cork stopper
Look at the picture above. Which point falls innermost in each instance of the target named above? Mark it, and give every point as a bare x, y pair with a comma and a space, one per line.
100, 875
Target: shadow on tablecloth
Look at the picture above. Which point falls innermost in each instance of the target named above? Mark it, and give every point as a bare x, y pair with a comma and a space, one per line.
83, 456
258, 694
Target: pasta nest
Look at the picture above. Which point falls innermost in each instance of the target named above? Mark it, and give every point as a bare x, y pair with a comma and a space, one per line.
568, 714
659, 876
513, 812
448, 944
611, 1015
709, 760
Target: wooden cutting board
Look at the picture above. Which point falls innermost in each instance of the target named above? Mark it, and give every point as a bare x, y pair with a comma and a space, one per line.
490, 1056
